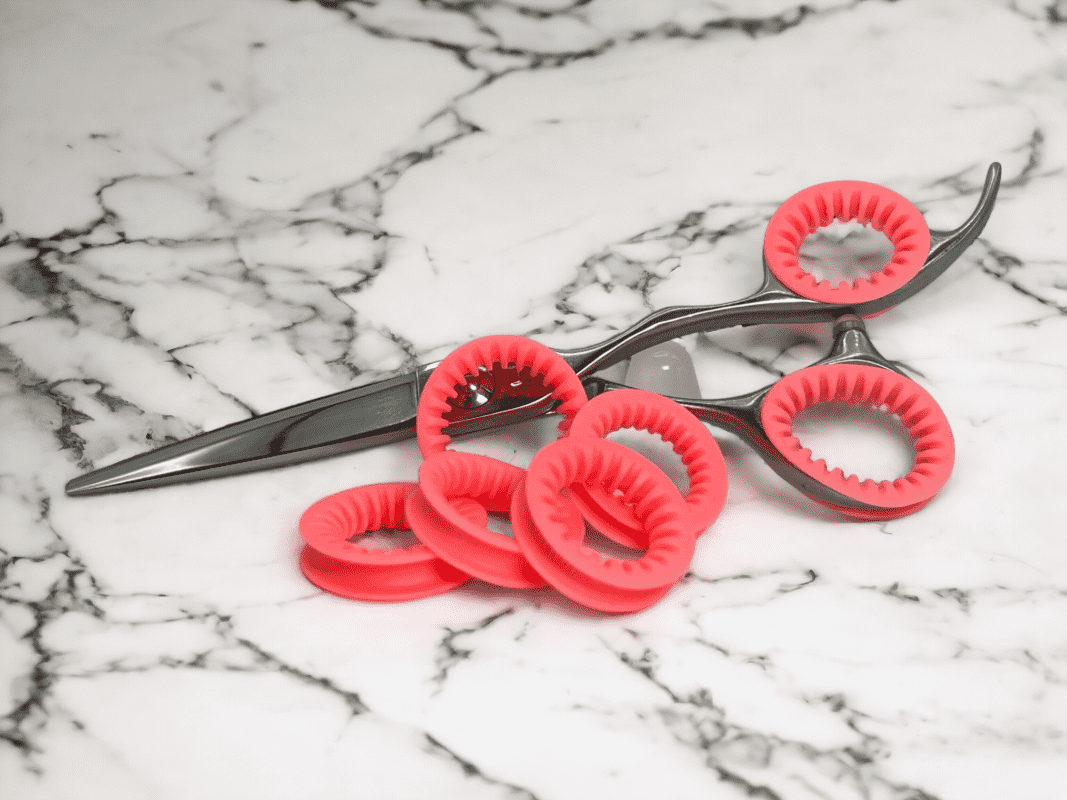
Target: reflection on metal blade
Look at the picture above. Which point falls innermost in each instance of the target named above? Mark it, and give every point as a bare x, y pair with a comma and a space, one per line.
353, 420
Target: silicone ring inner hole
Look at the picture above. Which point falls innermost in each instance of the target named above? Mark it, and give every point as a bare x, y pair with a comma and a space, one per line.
385, 539
655, 449
814, 209
609, 549
845, 251
860, 440
499, 523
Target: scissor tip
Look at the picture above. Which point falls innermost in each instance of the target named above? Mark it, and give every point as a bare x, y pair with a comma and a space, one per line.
89, 484
122, 477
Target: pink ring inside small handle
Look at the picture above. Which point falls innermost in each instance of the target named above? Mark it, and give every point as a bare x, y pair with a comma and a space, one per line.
862, 385
818, 206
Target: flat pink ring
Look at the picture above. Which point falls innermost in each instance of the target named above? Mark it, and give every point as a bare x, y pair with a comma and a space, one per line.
700, 453
336, 565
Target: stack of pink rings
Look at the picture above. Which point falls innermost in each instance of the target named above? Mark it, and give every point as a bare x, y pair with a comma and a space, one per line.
580, 478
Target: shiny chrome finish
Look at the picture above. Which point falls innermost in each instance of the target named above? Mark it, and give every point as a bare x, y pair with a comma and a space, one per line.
741, 414
774, 304
384, 412
367, 416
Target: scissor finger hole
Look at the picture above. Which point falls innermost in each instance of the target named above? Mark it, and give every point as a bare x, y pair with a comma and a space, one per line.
859, 440
815, 209
845, 252
872, 387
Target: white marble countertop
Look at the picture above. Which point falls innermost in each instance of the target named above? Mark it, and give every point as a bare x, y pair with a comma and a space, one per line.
216, 209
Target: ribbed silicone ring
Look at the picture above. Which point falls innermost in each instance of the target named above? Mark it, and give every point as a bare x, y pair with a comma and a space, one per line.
818, 206
862, 385
485, 352
336, 565
552, 536
432, 512
700, 453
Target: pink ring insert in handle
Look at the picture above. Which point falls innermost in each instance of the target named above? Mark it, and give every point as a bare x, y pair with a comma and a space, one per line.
464, 361
873, 387
870, 204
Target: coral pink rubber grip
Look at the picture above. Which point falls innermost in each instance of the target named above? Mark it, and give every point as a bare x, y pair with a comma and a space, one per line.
818, 206
700, 454
335, 564
485, 352
551, 534
863, 385
449, 477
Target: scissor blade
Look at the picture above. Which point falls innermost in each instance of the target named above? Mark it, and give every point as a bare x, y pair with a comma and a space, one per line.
355, 419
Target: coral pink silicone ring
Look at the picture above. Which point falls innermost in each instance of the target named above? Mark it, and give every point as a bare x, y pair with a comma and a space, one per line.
818, 206
454, 537
341, 567
863, 385
504, 350
551, 535
700, 453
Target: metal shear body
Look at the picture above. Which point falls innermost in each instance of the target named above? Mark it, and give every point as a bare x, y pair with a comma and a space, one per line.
384, 411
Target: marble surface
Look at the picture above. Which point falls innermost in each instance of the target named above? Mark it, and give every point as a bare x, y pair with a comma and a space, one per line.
215, 209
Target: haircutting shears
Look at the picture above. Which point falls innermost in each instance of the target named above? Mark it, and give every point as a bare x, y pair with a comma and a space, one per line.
385, 411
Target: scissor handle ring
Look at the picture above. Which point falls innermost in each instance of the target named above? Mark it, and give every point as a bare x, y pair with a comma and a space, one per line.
484, 352
550, 532
818, 206
700, 454
448, 479
863, 385
336, 565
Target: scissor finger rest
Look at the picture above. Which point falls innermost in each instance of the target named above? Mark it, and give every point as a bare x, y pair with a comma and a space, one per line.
342, 567
700, 454
863, 385
485, 352
551, 533
818, 206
